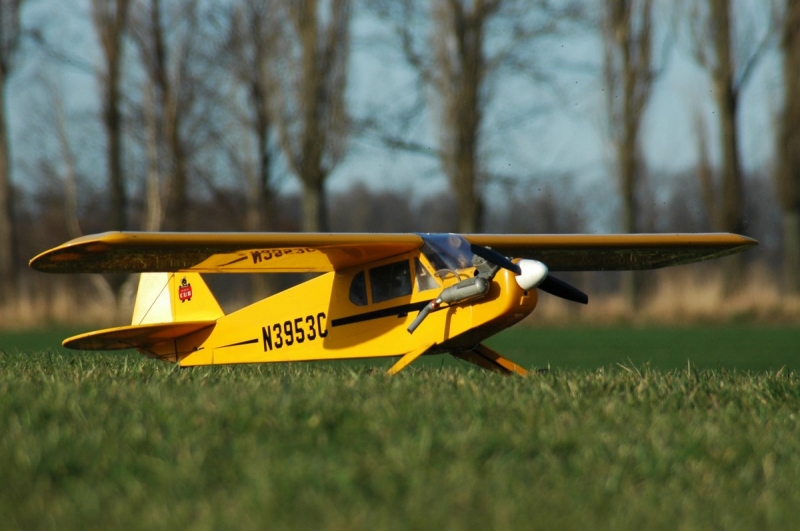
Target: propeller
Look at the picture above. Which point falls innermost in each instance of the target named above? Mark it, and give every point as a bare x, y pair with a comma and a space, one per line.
532, 273
559, 288
496, 258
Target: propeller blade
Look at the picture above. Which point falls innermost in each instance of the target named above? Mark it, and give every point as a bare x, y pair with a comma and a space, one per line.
559, 288
550, 284
494, 257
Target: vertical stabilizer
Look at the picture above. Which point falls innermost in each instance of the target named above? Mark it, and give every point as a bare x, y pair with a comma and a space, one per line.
173, 298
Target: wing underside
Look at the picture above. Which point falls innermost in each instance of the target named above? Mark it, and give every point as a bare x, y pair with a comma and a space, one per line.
615, 252
141, 252
132, 252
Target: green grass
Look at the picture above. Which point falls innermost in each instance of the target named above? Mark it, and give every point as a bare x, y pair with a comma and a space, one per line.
34, 340
97, 441
755, 348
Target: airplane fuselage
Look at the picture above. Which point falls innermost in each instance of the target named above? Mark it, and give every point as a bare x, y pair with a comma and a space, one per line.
362, 312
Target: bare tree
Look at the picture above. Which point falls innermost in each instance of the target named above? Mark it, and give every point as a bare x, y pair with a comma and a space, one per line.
458, 66
629, 69
788, 144
110, 19
70, 173
704, 170
729, 57
253, 43
10, 29
166, 36
154, 213
110, 22
461, 64
311, 114
54, 121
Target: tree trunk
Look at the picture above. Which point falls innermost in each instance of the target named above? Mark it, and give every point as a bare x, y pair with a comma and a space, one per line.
705, 174
177, 207
312, 121
262, 219
315, 211
732, 190
632, 281
7, 271
460, 70
71, 219
118, 216
260, 202
110, 22
178, 203
164, 51
732, 211
629, 72
470, 210
628, 169
788, 170
463, 163
113, 124
723, 72
153, 212
791, 251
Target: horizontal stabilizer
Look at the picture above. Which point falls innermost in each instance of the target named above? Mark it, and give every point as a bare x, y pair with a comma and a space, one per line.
137, 336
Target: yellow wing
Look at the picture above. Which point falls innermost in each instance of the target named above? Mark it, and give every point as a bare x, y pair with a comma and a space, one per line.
216, 252
614, 252
133, 252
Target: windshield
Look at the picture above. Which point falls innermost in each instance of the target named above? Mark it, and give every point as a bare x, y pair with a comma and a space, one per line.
447, 251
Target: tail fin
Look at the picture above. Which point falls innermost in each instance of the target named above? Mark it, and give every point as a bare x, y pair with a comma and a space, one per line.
174, 298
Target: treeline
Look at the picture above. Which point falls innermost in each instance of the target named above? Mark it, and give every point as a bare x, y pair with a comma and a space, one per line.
192, 115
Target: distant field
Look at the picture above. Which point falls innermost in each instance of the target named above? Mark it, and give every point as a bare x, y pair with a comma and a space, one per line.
119, 441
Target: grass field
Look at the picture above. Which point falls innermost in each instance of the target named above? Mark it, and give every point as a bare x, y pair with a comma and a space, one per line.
621, 433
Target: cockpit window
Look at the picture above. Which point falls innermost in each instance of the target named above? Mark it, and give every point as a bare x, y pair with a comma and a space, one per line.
447, 251
425, 280
390, 281
358, 290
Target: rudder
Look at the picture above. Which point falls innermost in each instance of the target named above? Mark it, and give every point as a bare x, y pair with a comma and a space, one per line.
173, 298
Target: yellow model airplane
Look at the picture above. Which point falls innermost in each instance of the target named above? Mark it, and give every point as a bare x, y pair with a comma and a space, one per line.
379, 295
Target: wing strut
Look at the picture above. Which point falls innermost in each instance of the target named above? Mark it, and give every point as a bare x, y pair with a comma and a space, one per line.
406, 360
488, 359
